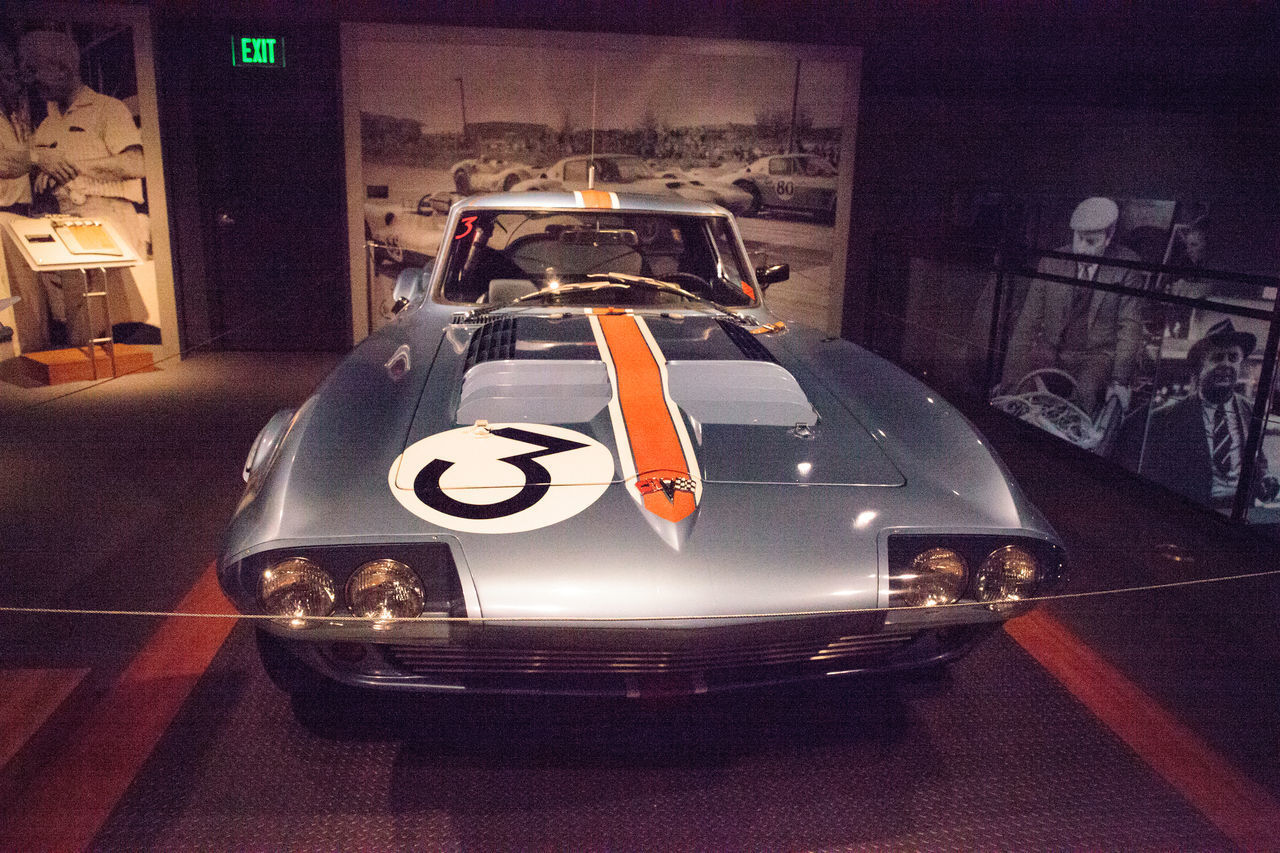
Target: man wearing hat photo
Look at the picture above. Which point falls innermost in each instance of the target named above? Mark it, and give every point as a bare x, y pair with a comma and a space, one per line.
1196, 445
1092, 335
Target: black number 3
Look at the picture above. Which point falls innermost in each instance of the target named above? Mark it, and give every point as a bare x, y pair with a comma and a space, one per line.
537, 479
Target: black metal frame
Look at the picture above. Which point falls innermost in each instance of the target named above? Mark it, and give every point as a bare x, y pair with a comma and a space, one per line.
1266, 377
1014, 261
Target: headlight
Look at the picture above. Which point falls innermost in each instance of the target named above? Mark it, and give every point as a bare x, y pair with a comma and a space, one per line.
936, 576
297, 587
1007, 574
998, 570
385, 589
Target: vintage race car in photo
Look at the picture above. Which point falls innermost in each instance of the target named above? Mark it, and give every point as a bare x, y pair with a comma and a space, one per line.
803, 182
407, 230
584, 458
487, 174
627, 173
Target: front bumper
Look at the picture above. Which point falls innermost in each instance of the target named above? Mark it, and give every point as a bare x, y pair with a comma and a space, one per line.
640, 661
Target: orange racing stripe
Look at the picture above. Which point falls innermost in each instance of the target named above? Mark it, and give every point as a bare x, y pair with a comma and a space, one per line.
598, 198
664, 479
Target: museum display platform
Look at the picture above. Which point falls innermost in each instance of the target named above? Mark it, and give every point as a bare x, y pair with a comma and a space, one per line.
51, 367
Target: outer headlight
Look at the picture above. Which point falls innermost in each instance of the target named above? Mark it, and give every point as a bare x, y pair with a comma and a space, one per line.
1007, 574
1003, 569
385, 589
936, 576
297, 587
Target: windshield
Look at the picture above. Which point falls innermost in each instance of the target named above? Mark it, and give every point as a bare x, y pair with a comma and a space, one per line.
817, 167
627, 168
498, 256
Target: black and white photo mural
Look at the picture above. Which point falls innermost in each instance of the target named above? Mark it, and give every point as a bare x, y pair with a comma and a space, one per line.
79, 139
766, 131
1098, 354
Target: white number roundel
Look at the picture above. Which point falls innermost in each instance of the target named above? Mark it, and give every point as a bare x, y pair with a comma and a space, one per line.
501, 478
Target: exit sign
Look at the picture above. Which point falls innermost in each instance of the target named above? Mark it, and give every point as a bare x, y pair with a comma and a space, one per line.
258, 51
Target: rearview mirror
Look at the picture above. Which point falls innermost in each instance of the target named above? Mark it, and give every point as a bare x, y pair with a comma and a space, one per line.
599, 237
772, 274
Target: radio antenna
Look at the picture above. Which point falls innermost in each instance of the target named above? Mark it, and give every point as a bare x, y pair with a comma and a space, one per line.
591, 163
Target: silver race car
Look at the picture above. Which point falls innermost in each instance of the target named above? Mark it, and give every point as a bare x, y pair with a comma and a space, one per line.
803, 182
584, 458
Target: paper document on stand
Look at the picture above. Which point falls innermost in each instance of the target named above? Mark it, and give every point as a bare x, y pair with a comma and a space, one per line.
86, 237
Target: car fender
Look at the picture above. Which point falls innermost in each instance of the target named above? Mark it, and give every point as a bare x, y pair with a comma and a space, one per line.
935, 446
373, 394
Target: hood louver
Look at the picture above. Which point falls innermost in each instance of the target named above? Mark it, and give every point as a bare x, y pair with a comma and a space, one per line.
494, 341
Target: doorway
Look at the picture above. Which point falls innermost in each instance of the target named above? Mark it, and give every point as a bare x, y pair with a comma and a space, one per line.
256, 175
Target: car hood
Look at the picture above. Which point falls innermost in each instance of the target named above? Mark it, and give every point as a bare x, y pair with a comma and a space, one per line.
806, 451
749, 414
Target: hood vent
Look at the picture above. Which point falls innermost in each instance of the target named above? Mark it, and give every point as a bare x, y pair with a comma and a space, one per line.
494, 341
748, 343
541, 391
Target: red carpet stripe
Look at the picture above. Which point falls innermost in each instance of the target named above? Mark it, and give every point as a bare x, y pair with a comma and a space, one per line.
1243, 810
71, 798
27, 698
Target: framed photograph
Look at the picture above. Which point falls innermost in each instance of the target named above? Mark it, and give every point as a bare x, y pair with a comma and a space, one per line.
84, 92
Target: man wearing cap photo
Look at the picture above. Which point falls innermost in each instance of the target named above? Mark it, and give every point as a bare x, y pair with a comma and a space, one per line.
1196, 445
1092, 335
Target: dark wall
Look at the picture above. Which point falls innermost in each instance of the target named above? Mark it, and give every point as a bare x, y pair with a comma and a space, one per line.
1146, 100
1135, 101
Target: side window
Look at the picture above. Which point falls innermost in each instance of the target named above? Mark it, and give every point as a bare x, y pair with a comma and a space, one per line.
779, 166
575, 172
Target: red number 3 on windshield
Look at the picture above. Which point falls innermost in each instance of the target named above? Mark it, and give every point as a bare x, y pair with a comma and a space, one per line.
468, 221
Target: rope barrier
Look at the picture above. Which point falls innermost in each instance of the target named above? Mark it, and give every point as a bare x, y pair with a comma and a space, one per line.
523, 620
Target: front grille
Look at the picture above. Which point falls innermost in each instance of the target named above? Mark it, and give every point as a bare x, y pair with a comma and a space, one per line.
435, 661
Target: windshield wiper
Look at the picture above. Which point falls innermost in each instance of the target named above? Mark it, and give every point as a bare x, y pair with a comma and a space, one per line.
530, 297
604, 281
655, 283
667, 287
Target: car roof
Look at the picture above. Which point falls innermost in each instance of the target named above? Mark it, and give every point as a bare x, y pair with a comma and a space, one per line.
534, 201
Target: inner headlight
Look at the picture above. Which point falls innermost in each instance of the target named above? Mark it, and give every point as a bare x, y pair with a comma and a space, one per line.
936, 576
297, 587
385, 589
1007, 574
